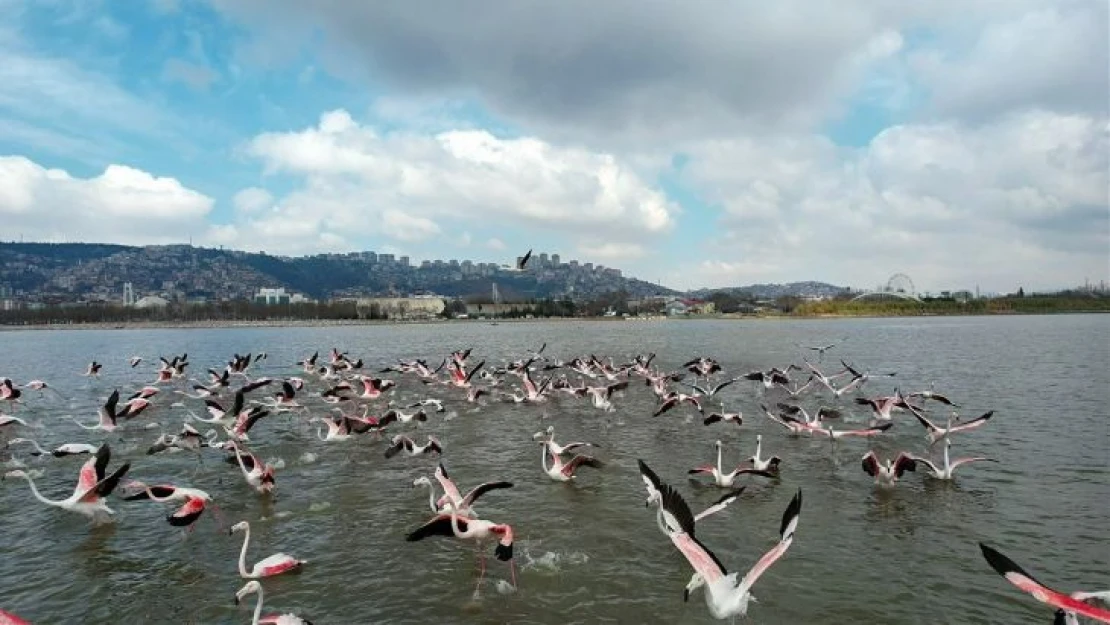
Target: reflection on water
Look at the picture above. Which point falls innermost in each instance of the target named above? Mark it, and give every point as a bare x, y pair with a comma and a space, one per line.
587, 551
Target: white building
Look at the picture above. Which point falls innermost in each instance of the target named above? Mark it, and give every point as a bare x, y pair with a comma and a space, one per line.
151, 301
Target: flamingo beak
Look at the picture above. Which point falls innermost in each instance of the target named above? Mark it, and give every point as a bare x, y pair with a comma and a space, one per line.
685, 595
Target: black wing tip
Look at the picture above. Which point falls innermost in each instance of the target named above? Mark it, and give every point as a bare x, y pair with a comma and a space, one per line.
504, 552
792, 511
1000, 563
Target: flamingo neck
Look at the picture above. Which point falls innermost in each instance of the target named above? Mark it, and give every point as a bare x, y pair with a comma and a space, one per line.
947, 463
243, 565
37, 494
455, 524
257, 607
758, 450
432, 497
718, 459
543, 457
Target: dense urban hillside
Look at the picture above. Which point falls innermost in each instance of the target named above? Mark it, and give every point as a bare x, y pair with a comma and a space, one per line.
70, 272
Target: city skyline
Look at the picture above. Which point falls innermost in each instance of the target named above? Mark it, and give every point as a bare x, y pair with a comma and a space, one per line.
737, 145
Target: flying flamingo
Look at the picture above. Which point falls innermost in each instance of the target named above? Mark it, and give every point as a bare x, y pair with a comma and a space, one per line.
888, 473
564, 471
453, 525
403, 442
452, 499
273, 565
92, 486
654, 488
722, 479
67, 449
556, 449
269, 619
726, 595
935, 433
195, 501
946, 471
1018, 577
258, 474
107, 414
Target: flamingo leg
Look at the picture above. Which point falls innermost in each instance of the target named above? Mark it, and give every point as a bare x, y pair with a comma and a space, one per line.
481, 573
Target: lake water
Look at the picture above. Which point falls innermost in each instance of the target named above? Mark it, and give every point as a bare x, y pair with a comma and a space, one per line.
587, 552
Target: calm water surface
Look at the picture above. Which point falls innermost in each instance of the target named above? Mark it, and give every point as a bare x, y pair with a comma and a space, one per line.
588, 552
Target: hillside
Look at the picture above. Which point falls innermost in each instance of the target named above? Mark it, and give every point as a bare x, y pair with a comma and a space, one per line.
70, 272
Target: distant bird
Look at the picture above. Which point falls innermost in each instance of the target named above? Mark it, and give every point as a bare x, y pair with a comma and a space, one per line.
523, 260
654, 489
93, 369
556, 449
821, 349
933, 395
1027, 583
710, 391
886, 474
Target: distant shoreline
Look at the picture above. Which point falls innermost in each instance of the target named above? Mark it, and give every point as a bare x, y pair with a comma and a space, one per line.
325, 323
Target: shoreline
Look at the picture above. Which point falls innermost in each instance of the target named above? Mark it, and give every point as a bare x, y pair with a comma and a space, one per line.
321, 323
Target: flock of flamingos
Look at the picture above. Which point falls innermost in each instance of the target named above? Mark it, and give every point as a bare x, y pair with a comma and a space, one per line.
346, 391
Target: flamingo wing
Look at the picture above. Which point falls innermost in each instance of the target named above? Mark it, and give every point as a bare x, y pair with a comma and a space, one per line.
439, 525
974, 423
276, 564
870, 464
720, 504
1019, 577
482, 489
786, 533
188, 513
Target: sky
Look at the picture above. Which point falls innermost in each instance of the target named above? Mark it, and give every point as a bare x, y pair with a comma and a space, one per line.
697, 144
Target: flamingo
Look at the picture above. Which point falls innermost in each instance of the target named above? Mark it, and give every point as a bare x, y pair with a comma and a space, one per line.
259, 475
93, 369
478, 530
66, 449
400, 442
555, 448
887, 474
770, 464
724, 417
107, 414
270, 619
7, 419
1018, 577
453, 500
564, 471
935, 434
268, 567
722, 479
195, 501
654, 486
7, 618
672, 399
726, 595
93, 485
946, 471
600, 395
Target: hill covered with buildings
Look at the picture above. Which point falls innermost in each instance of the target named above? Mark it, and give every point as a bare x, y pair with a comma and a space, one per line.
37, 274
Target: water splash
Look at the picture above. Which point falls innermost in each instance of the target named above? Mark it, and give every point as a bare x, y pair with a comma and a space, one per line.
307, 458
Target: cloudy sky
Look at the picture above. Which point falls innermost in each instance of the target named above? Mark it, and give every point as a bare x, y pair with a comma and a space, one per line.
962, 142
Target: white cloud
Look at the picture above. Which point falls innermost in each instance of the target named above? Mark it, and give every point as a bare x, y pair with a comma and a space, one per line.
122, 205
1022, 200
409, 228
495, 244
411, 187
252, 200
